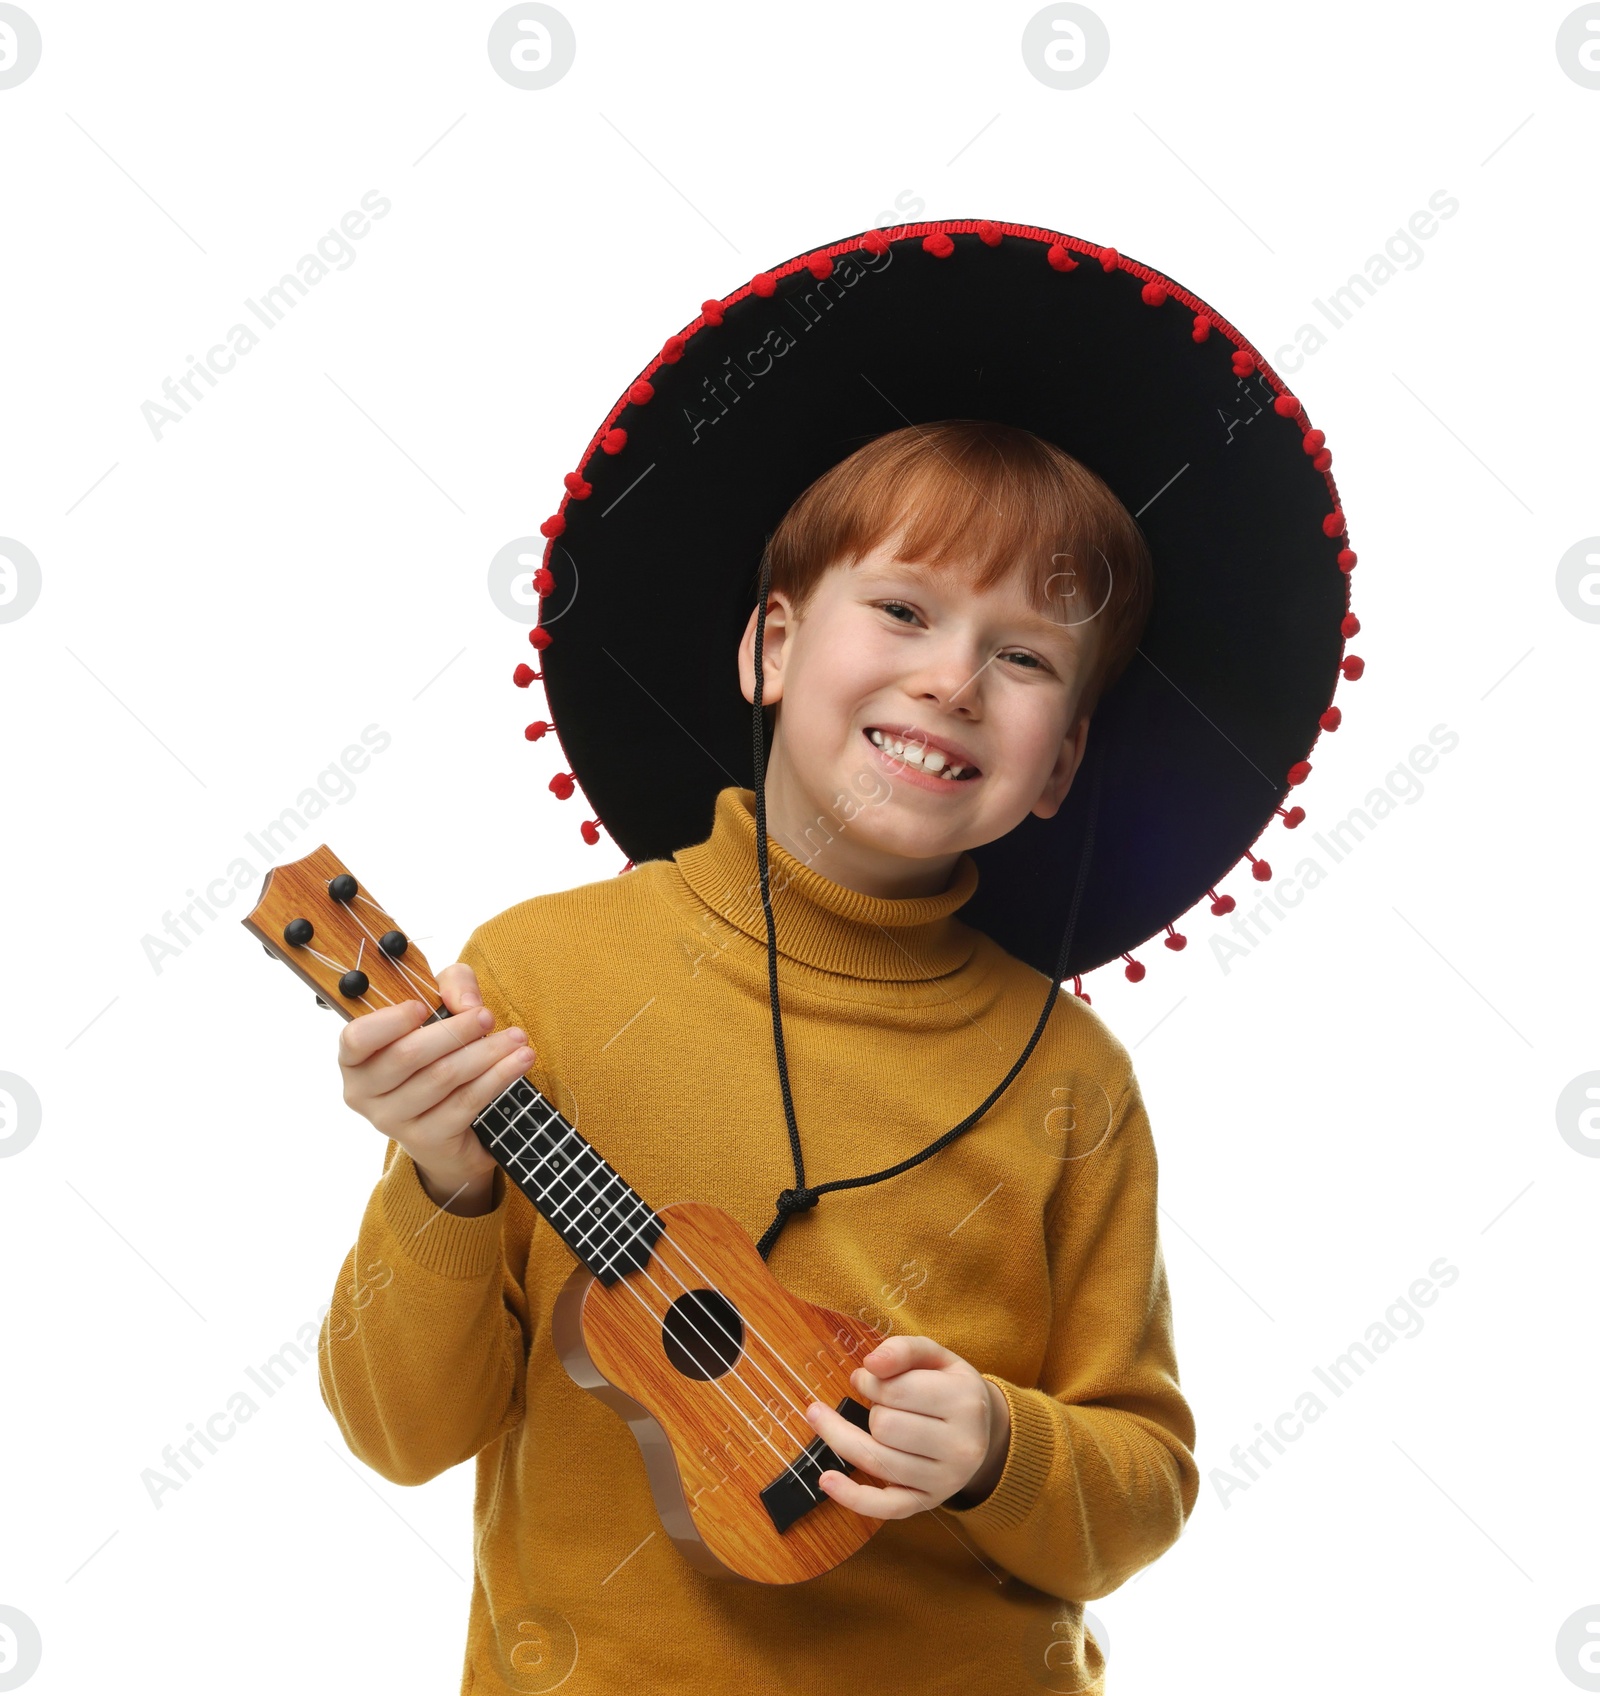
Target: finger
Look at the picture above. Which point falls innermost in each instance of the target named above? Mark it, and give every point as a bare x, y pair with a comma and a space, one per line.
909, 1433
872, 1503
390, 1066
364, 1035
937, 1392
423, 1084
465, 1104
861, 1448
903, 1351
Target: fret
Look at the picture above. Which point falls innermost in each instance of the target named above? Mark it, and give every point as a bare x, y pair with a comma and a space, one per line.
596, 1213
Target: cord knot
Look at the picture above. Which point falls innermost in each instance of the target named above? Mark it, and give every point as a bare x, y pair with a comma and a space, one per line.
797, 1200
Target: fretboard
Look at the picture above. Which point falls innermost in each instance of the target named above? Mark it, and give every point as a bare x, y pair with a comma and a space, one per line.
602, 1219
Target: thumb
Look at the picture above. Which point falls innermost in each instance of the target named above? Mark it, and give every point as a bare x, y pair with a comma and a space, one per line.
458, 984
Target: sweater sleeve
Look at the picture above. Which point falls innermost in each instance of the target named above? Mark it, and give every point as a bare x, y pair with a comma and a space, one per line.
1099, 1476
423, 1350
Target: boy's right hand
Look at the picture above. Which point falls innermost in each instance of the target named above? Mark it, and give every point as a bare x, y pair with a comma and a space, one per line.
424, 1085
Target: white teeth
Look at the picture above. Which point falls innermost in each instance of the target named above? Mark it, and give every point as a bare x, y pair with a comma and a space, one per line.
930, 760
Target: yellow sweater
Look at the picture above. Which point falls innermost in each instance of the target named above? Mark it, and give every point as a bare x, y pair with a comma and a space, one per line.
1029, 1246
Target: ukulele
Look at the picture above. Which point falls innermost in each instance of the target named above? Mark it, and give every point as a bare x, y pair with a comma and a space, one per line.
671, 1318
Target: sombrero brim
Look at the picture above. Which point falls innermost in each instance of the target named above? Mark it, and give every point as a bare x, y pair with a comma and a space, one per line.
650, 572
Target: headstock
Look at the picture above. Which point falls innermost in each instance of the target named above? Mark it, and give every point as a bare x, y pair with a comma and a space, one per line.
315, 917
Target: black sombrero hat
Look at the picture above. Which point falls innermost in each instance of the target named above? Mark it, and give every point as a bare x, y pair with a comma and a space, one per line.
648, 578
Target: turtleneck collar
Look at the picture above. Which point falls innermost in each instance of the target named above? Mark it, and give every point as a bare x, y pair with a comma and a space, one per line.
821, 923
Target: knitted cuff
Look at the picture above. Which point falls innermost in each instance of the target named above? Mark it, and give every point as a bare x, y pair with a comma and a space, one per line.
1028, 1457
443, 1242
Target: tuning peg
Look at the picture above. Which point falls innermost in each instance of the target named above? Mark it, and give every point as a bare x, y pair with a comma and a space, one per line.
266, 950
322, 1003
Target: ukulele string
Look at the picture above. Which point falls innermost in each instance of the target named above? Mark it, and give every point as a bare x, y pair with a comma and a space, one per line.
610, 1241
748, 1388
735, 1374
418, 979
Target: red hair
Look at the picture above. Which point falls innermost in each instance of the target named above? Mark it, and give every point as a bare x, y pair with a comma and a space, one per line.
995, 499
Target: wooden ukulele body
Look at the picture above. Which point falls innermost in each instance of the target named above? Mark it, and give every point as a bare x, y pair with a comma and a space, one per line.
715, 1396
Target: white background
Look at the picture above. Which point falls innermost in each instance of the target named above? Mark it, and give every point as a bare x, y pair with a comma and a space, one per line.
223, 609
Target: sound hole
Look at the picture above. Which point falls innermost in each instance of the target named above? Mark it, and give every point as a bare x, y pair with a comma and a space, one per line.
703, 1334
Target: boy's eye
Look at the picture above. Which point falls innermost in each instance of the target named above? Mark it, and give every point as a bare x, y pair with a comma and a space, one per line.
1033, 661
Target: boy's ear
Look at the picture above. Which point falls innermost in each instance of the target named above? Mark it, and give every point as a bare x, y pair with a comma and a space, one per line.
1064, 770
774, 646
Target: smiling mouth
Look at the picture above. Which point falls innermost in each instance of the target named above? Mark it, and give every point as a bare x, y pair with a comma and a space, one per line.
913, 754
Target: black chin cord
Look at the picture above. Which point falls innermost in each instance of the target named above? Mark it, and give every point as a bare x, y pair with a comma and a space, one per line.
803, 1196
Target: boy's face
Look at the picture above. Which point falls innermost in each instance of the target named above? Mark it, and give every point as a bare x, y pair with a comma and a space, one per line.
911, 650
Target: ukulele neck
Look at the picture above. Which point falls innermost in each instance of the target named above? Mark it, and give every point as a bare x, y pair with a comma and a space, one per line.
600, 1217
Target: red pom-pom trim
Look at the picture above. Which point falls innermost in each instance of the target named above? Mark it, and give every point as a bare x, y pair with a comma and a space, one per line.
1349, 624
1109, 260
1299, 771
1347, 559
1286, 406
523, 676
1333, 524
537, 729
938, 244
553, 525
1331, 719
1243, 364
641, 393
1295, 816
1175, 941
1259, 869
819, 265
1059, 258
576, 487
1153, 294
1352, 667
614, 440
1078, 989
591, 831
763, 283
544, 580
711, 311
540, 637
1133, 971
562, 785
1322, 461
672, 349
876, 243
1221, 905
1312, 441
989, 235
1202, 328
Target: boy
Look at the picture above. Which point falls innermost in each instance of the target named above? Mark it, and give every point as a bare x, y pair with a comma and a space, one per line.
960, 595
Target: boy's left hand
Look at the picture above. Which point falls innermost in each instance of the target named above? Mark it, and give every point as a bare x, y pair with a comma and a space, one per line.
938, 1427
